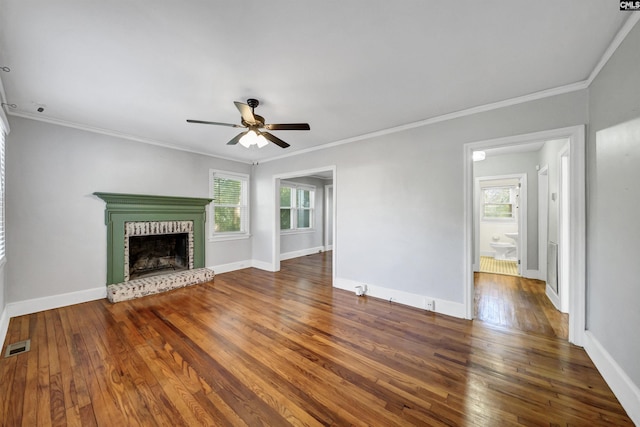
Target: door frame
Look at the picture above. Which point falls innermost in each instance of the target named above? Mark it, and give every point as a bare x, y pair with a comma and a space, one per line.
543, 221
328, 217
275, 228
564, 228
521, 219
577, 219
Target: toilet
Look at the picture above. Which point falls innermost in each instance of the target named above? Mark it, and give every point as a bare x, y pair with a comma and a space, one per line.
504, 250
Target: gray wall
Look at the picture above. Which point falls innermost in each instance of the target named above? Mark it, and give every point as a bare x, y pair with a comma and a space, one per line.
400, 197
613, 228
56, 236
307, 239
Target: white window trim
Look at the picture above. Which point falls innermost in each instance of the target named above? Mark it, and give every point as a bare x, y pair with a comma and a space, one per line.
310, 188
232, 235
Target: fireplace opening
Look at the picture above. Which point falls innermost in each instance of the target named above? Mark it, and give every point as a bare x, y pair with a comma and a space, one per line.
158, 254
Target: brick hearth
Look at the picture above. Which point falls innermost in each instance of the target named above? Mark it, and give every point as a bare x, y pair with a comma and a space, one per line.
153, 285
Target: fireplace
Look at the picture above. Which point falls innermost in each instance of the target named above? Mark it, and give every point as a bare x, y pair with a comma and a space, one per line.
135, 224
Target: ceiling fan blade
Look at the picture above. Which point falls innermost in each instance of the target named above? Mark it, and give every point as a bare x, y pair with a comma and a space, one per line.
214, 123
275, 140
236, 138
288, 126
246, 113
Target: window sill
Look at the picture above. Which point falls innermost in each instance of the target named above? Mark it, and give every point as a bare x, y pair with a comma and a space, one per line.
226, 237
498, 220
298, 231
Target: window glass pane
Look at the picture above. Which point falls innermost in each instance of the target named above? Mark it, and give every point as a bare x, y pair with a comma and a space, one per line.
497, 195
304, 218
285, 197
285, 219
304, 199
227, 219
227, 191
498, 211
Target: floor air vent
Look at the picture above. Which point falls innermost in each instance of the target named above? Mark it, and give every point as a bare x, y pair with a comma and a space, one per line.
17, 348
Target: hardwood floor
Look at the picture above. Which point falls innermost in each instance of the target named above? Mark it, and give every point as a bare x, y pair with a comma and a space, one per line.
256, 348
518, 303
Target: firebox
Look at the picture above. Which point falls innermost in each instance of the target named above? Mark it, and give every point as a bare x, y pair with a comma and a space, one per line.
157, 247
159, 254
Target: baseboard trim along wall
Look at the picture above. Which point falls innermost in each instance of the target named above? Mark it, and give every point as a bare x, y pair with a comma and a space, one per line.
622, 386
35, 305
303, 252
232, 266
449, 308
262, 265
553, 297
531, 274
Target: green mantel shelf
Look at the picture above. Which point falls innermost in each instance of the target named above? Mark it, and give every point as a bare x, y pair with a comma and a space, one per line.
122, 208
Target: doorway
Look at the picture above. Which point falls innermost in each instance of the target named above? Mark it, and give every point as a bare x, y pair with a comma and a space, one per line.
500, 218
574, 229
295, 181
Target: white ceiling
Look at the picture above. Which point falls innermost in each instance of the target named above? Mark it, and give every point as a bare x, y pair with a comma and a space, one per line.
140, 68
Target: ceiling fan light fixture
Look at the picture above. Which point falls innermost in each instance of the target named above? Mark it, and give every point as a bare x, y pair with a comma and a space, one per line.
261, 141
249, 139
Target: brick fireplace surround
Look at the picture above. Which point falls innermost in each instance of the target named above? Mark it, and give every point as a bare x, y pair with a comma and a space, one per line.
129, 215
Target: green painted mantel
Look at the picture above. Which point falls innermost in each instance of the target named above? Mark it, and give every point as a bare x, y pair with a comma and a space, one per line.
123, 208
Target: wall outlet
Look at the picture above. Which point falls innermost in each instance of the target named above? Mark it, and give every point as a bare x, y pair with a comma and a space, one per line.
429, 304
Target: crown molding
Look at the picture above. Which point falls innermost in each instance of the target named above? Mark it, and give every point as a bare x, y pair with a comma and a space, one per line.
117, 134
615, 43
444, 117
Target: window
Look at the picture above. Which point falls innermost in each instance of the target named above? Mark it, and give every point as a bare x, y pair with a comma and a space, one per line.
499, 203
296, 207
230, 206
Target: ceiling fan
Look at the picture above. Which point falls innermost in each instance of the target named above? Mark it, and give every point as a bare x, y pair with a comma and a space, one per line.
254, 123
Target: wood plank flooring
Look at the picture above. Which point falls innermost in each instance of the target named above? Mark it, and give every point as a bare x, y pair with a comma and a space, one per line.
255, 348
519, 303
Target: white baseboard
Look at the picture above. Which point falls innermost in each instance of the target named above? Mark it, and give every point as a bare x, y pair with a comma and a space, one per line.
4, 325
35, 305
328, 248
232, 266
490, 254
262, 265
622, 386
303, 252
553, 297
239, 265
449, 308
531, 274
